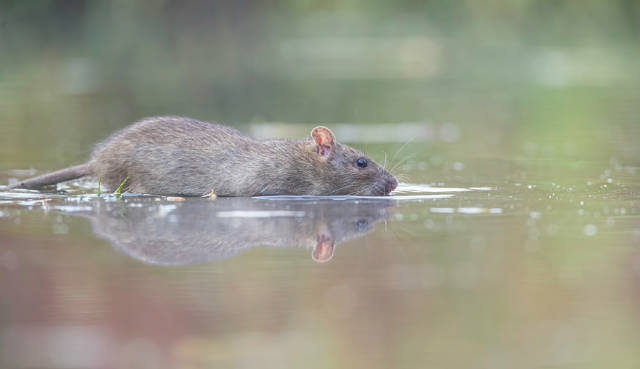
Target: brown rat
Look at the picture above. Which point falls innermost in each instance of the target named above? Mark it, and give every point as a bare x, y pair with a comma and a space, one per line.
183, 156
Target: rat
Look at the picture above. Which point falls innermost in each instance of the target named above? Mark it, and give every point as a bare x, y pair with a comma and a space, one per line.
183, 156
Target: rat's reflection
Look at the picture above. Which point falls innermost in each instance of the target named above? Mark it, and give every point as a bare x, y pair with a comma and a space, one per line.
198, 231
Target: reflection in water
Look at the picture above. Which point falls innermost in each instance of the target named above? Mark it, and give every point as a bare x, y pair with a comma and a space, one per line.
198, 231
194, 231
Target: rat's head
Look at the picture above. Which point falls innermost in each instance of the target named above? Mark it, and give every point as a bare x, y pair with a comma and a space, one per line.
343, 170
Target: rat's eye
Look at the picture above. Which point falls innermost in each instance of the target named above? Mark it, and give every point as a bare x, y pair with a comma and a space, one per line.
362, 163
362, 224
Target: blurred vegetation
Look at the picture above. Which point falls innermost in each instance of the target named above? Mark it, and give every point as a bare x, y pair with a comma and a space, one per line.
73, 71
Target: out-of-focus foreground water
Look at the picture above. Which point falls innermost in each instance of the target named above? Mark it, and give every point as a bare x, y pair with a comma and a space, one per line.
512, 241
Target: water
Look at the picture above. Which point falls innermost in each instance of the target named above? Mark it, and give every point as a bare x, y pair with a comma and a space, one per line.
466, 271
512, 241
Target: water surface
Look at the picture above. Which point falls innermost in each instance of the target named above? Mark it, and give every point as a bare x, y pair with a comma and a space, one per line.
480, 274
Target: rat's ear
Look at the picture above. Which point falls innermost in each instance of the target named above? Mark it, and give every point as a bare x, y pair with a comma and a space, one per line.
325, 141
323, 251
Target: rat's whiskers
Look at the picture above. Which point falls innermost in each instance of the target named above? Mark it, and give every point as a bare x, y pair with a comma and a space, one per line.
403, 160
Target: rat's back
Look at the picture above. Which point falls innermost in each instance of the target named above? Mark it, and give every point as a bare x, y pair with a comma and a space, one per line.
169, 155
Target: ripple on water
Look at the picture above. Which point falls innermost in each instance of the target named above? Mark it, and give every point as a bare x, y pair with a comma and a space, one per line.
466, 210
425, 188
27, 194
404, 192
419, 191
353, 197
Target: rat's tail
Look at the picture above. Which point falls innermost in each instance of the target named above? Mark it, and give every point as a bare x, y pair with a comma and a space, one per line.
54, 177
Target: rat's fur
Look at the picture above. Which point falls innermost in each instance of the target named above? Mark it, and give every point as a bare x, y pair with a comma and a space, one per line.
183, 156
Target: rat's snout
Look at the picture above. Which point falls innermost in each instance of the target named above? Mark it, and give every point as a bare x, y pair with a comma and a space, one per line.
391, 185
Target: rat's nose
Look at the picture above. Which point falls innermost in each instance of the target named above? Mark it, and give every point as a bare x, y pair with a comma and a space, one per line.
391, 185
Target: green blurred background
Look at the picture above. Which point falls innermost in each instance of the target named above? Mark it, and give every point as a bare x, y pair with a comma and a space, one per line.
505, 73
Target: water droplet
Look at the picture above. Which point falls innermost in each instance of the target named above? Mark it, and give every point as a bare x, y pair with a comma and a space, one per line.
590, 230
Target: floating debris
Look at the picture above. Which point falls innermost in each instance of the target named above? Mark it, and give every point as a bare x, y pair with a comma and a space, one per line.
211, 195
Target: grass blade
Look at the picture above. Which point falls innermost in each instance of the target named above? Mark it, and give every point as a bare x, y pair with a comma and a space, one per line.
121, 185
